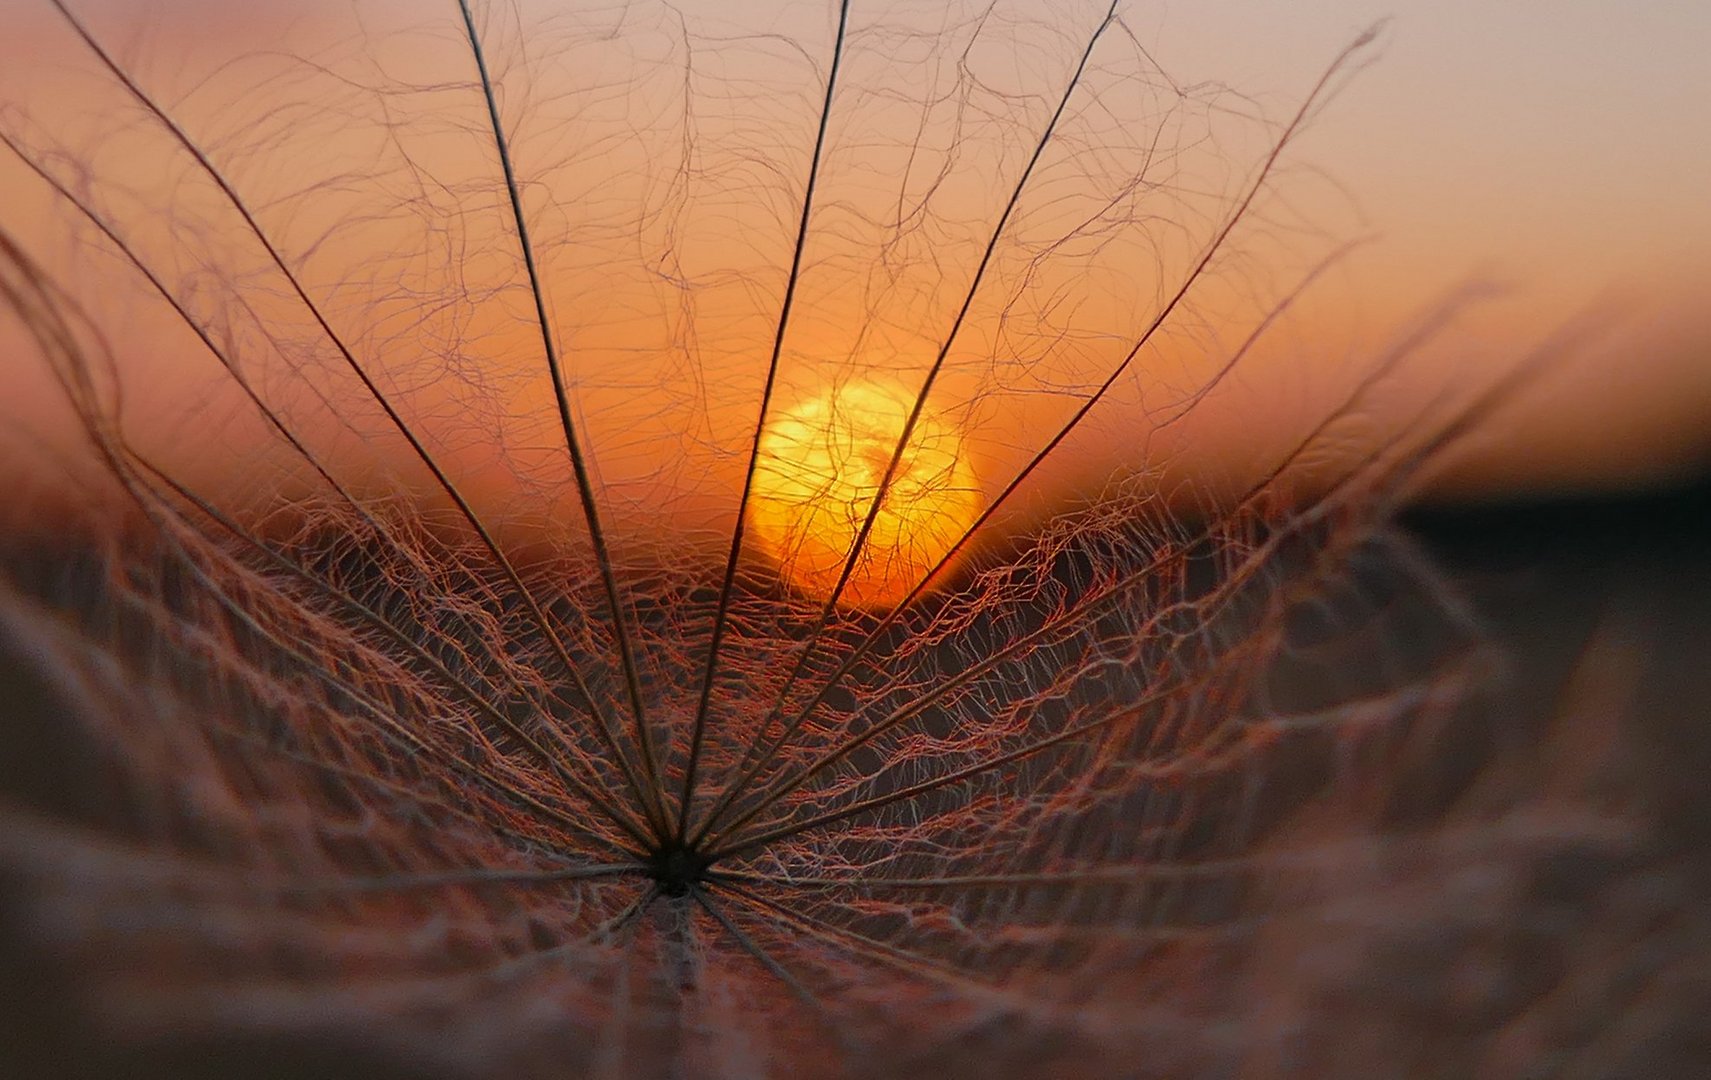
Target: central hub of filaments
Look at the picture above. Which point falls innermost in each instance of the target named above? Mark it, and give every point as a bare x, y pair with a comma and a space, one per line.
677, 869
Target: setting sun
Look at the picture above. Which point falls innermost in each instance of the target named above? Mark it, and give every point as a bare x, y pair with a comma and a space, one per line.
821, 464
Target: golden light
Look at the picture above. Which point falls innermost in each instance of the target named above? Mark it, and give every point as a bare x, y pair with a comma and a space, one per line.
819, 469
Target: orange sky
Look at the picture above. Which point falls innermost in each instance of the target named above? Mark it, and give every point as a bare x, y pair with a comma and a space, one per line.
1544, 149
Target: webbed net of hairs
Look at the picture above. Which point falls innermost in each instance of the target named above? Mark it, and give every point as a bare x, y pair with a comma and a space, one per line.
419, 694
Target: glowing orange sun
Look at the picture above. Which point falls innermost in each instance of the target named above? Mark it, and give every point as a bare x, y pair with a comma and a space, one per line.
818, 472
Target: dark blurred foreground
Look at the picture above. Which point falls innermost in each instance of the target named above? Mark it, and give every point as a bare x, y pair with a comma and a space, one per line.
1545, 957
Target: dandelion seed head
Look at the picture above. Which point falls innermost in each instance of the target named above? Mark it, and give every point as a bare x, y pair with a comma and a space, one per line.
340, 766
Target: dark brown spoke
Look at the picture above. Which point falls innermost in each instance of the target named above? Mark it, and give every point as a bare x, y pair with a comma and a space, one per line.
418, 448
653, 800
726, 584
1303, 113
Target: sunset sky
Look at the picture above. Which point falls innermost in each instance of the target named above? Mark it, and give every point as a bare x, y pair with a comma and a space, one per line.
1553, 151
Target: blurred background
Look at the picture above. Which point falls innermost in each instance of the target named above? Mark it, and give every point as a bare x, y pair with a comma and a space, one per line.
1516, 174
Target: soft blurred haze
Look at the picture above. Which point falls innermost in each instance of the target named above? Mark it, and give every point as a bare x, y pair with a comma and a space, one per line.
1558, 150
1555, 151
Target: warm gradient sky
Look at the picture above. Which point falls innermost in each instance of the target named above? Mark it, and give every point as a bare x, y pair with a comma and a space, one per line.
1556, 150
1560, 149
